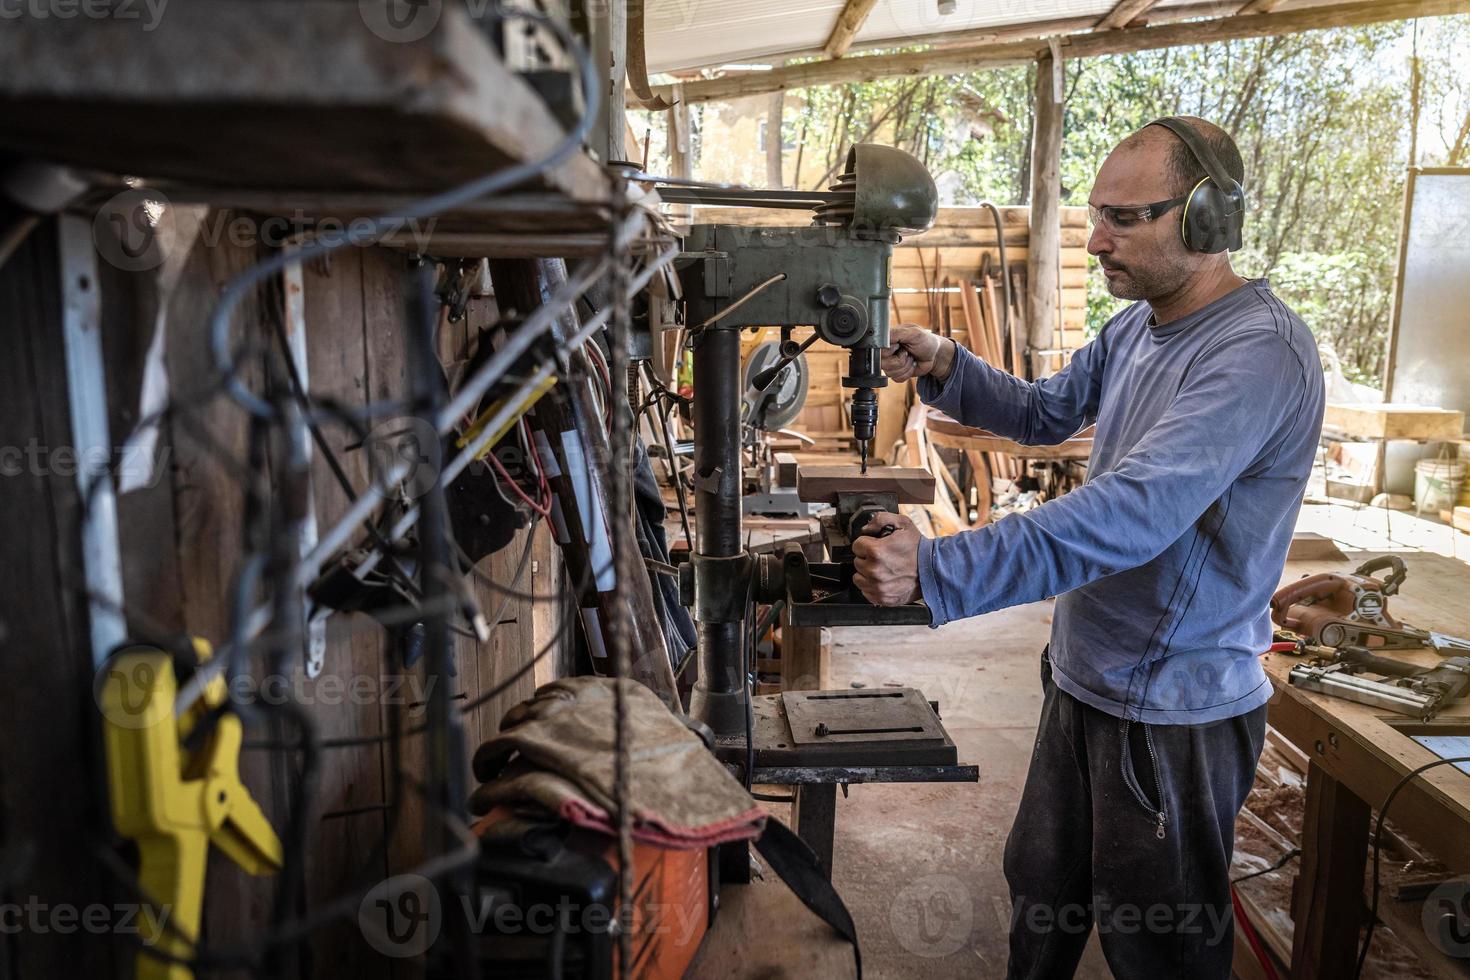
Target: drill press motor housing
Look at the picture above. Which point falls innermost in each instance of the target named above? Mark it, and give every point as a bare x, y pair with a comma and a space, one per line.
833, 275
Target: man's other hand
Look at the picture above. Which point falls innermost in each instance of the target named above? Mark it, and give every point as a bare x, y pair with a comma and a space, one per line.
887, 568
914, 352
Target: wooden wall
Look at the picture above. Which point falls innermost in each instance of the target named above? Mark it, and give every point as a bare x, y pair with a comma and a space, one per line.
181, 543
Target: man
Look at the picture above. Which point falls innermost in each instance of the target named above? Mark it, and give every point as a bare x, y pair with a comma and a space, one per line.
1208, 399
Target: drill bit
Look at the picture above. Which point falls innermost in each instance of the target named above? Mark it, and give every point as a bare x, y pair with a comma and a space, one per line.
863, 453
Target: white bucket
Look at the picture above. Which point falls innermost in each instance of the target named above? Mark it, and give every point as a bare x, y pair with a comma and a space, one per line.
1437, 484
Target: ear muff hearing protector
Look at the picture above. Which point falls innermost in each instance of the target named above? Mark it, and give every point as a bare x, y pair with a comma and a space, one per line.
1214, 215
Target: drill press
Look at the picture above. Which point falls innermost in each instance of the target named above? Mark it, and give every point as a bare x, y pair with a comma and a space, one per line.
832, 275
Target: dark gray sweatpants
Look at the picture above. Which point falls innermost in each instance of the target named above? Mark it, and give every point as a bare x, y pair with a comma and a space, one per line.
1127, 828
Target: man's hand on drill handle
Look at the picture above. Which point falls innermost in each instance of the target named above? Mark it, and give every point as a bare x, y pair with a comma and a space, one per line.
886, 561
913, 352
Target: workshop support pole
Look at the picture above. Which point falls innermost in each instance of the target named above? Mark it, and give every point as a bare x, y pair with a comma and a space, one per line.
773, 139
608, 26
719, 600
1044, 257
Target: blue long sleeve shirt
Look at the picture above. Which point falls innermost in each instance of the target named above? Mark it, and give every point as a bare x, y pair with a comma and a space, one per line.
1163, 563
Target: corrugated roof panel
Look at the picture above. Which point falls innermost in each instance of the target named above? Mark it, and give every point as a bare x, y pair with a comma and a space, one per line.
691, 33
898, 20
694, 33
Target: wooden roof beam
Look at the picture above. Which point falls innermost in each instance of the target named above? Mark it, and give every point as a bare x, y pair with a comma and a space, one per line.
1124, 13
849, 21
943, 61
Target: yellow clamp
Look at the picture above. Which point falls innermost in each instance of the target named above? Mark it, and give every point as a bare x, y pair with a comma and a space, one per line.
174, 802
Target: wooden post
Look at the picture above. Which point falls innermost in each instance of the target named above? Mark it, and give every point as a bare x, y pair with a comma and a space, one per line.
773, 139
608, 27
1043, 272
1328, 903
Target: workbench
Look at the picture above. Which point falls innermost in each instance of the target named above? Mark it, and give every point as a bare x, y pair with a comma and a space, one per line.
1357, 754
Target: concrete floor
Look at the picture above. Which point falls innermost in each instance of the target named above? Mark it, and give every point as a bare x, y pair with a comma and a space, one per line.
920, 865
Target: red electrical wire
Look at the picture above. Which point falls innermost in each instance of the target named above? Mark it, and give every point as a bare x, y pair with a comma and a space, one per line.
1243, 922
536, 462
543, 509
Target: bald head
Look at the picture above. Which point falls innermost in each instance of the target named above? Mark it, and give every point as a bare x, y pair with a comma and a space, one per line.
1183, 170
1148, 259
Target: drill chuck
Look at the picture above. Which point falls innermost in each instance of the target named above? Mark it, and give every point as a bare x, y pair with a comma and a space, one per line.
864, 414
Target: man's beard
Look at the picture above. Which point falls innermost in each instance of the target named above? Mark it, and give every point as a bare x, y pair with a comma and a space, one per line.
1147, 284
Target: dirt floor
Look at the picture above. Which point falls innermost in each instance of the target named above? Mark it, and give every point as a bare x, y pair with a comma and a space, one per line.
920, 865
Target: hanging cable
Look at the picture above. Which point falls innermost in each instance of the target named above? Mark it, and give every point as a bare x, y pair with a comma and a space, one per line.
1408, 777
375, 229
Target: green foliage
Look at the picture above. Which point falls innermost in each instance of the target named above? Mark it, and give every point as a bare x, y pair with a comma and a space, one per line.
1322, 120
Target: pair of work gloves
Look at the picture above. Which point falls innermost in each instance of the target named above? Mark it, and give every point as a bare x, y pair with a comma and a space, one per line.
556, 752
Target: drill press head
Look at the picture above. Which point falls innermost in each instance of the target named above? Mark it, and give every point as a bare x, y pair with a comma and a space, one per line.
835, 272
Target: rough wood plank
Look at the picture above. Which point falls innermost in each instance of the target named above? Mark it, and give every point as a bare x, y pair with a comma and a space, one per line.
275, 93
346, 850
1310, 546
1124, 13
209, 513
1394, 421
965, 58
824, 483
805, 658
850, 20
52, 796
1043, 265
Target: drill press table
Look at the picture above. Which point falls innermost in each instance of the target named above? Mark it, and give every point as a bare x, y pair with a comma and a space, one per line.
814, 741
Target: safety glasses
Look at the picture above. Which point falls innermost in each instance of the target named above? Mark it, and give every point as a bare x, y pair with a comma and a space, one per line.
1125, 217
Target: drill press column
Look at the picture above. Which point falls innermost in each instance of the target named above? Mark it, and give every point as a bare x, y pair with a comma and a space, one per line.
721, 566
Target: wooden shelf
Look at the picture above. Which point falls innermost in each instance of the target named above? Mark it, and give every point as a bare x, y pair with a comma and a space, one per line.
1394, 421
273, 94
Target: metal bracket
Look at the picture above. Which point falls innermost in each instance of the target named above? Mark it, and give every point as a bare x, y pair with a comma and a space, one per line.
86, 384
295, 290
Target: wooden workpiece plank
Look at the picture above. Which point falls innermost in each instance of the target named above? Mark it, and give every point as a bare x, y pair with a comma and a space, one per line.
822, 484
1394, 421
275, 94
